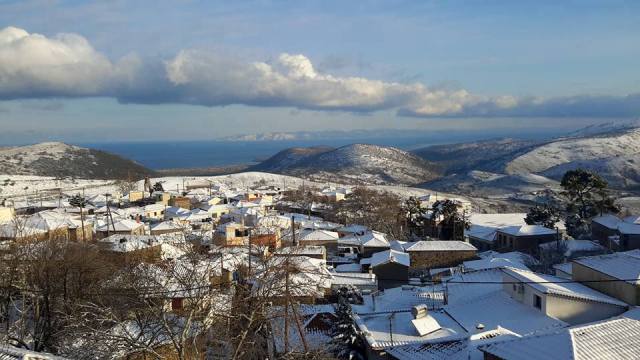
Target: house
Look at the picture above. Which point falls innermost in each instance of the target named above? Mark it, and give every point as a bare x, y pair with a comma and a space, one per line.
353, 229
154, 211
391, 267
437, 254
572, 249
482, 231
316, 324
132, 247
231, 234
6, 214
616, 274
491, 260
308, 279
121, 227
524, 238
603, 227
610, 339
181, 202
615, 233
326, 238
366, 244
418, 325
363, 282
166, 227
48, 224
573, 303
315, 252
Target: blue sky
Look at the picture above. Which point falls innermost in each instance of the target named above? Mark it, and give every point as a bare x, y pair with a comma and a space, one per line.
188, 69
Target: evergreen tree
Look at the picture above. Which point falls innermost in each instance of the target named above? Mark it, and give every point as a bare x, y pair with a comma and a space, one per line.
587, 196
545, 215
454, 222
79, 201
345, 343
415, 215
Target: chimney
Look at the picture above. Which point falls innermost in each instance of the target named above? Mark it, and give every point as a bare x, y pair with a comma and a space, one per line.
419, 311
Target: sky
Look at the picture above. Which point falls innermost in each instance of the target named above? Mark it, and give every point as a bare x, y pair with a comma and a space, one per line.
185, 70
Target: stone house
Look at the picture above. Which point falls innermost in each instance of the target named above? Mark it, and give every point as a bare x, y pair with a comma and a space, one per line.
437, 254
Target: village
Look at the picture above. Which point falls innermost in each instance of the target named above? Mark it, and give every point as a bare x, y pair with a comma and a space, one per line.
199, 268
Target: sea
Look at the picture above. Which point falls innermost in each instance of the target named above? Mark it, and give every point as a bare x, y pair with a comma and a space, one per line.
159, 155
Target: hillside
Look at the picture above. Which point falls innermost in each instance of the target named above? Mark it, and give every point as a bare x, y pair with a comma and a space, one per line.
62, 160
487, 155
509, 166
356, 163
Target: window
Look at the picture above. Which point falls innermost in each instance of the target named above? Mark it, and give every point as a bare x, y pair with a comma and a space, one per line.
537, 301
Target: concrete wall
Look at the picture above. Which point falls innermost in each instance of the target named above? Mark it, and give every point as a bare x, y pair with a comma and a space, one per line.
623, 291
574, 311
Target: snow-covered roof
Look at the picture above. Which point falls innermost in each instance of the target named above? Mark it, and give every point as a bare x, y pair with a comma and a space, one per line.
154, 207
317, 235
353, 228
390, 256
353, 279
441, 245
369, 239
8, 352
566, 268
166, 225
484, 226
126, 243
574, 246
629, 225
401, 298
527, 230
629, 228
607, 220
617, 265
466, 286
346, 268
396, 328
554, 285
302, 250
513, 259
632, 219
122, 225
497, 308
613, 339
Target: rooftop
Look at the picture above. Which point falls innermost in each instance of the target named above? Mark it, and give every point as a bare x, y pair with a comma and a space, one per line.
554, 285
622, 265
439, 245
390, 256
613, 339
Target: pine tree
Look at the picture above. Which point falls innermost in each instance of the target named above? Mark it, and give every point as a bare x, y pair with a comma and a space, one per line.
80, 202
545, 215
587, 196
345, 340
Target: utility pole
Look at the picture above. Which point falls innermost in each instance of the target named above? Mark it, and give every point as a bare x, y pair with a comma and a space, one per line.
293, 231
286, 306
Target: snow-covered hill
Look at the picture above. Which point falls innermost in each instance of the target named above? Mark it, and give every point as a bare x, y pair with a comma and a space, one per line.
511, 166
356, 163
62, 160
615, 156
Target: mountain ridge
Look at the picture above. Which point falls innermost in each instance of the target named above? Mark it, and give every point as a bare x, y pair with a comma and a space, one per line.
63, 160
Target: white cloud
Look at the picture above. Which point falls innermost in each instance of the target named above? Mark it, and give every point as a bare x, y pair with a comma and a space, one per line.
32, 65
66, 65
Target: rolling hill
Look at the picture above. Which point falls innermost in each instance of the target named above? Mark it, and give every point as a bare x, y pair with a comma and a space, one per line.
63, 160
356, 163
